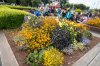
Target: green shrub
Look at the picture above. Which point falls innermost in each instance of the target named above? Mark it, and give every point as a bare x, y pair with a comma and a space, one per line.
17, 7
78, 10
11, 18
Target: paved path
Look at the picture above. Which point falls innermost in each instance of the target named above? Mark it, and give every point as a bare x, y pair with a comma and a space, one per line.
92, 58
6, 54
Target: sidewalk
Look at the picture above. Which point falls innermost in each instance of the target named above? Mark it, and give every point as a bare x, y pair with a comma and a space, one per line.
92, 58
6, 54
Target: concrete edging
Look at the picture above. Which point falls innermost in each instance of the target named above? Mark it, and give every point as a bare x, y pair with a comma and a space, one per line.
7, 56
88, 58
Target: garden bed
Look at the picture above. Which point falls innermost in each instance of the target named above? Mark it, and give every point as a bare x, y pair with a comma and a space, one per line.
94, 24
21, 55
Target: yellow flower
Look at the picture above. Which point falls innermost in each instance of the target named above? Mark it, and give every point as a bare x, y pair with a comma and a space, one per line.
94, 22
60, 24
52, 57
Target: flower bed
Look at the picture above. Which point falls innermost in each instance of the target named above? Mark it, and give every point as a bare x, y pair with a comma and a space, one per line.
94, 24
40, 33
22, 55
42, 36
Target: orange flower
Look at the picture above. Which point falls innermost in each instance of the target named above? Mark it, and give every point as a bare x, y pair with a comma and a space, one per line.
94, 22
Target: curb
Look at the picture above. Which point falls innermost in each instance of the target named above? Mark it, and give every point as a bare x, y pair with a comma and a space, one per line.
7, 56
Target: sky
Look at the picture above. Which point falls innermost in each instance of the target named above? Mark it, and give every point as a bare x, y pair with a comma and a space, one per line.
92, 3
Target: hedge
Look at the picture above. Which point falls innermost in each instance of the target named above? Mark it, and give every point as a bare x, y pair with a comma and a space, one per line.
17, 7
11, 18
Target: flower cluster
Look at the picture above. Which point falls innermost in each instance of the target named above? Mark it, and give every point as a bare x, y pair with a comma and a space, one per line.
24, 35
49, 24
40, 39
52, 57
36, 37
94, 22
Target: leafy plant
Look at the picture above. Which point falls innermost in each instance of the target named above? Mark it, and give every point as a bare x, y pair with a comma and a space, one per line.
78, 45
79, 36
61, 37
87, 34
35, 21
35, 58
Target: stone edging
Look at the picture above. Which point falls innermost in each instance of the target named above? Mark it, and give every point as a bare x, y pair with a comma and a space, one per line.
7, 56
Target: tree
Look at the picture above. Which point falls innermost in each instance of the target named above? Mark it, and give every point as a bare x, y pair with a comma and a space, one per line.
25, 2
81, 6
78, 10
77, 6
18, 2
35, 3
63, 3
11, 1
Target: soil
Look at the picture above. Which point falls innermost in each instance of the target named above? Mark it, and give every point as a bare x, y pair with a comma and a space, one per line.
21, 55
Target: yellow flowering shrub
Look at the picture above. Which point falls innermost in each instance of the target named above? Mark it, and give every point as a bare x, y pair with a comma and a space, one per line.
24, 35
34, 37
52, 57
73, 25
49, 23
94, 22
40, 39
